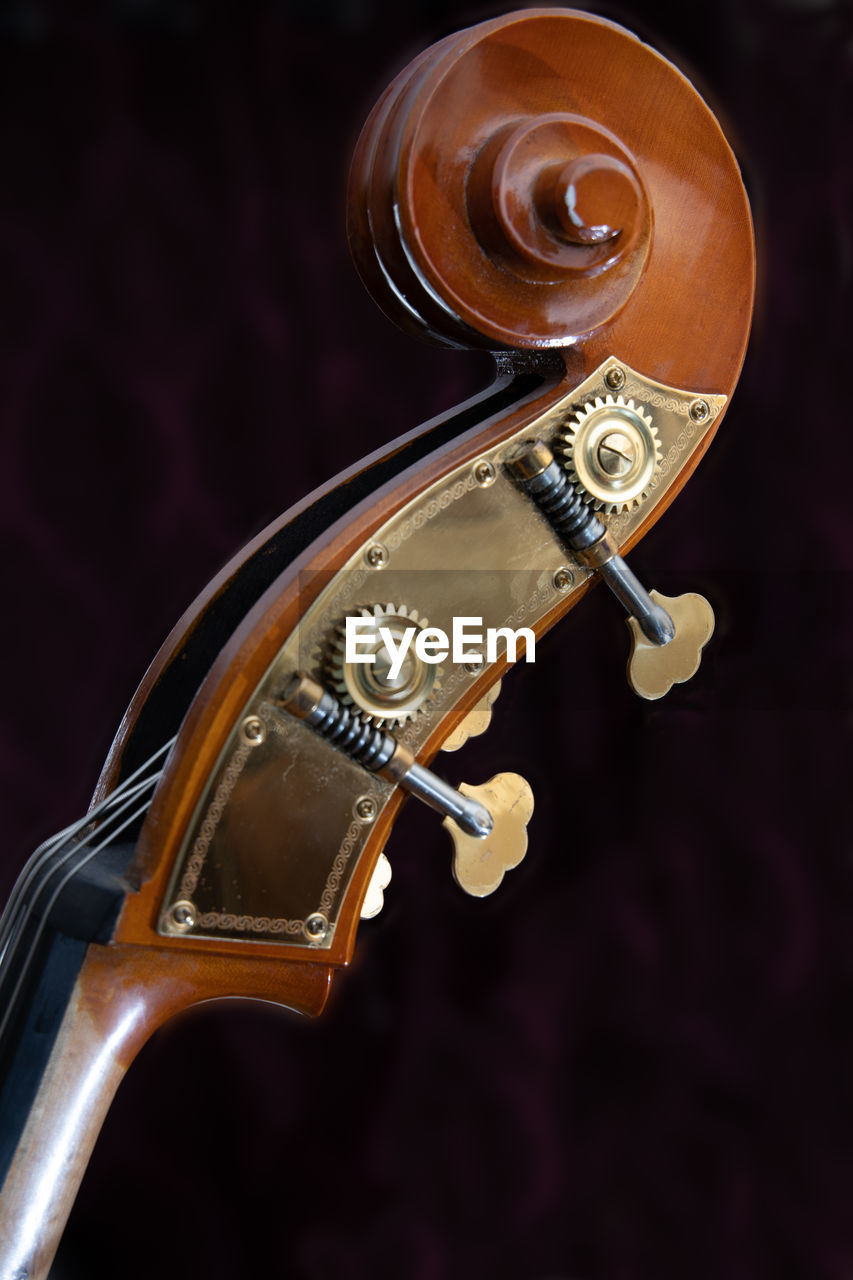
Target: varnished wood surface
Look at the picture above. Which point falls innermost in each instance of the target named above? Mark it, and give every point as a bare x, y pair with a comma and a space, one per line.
485, 127
500, 59
172, 975
122, 995
675, 1051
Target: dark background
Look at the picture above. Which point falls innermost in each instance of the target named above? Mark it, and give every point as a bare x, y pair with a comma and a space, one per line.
635, 1061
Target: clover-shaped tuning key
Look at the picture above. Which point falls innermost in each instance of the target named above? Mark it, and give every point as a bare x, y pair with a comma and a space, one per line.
481, 862
653, 668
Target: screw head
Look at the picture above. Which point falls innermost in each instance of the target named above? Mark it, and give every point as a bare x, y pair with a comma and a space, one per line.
616, 454
365, 808
180, 917
700, 411
615, 378
253, 731
473, 668
563, 579
316, 927
376, 555
484, 474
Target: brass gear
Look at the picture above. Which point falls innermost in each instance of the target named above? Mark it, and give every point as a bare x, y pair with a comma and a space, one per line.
368, 685
611, 450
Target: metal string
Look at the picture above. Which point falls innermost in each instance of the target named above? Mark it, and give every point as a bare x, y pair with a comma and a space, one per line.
44, 864
90, 853
107, 809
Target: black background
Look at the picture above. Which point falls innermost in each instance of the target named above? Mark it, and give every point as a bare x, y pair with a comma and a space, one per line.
635, 1061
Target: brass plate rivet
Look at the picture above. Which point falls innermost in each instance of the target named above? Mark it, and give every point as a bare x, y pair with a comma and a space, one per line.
376, 556
563, 579
316, 927
484, 474
365, 808
253, 731
700, 411
615, 378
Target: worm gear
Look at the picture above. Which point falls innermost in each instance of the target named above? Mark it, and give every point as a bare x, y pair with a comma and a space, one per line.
611, 450
369, 686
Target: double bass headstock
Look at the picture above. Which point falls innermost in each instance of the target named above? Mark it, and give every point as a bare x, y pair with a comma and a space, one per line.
546, 187
503, 194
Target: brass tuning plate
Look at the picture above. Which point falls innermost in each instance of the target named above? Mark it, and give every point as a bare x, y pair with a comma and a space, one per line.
481, 862
653, 669
297, 865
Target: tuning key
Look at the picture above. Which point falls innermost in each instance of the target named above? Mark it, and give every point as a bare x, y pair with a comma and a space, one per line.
374, 898
652, 668
668, 633
480, 864
487, 823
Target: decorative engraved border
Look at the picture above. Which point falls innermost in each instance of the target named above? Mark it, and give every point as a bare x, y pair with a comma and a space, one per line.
431, 508
212, 818
249, 924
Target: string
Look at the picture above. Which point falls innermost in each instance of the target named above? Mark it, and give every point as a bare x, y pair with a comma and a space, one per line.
43, 918
44, 865
25, 905
45, 851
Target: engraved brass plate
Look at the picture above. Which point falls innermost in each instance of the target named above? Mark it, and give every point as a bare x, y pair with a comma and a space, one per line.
277, 833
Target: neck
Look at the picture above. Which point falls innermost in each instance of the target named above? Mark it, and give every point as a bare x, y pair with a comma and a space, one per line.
67, 898
54, 1137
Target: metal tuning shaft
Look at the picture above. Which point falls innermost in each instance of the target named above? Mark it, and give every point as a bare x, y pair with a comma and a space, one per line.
488, 832
667, 634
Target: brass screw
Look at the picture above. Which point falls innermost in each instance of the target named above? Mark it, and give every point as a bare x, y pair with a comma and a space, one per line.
376, 555
484, 474
700, 411
615, 378
616, 454
253, 731
181, 916
365, 808
316, 927
563, 579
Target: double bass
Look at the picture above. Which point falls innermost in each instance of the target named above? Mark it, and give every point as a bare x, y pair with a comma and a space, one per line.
504, 198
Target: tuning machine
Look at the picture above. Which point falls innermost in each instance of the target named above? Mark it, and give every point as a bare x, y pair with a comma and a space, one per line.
667, 633
487, 824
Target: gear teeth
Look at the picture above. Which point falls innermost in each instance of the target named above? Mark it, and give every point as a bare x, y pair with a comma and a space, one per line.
336, 668
571, 439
